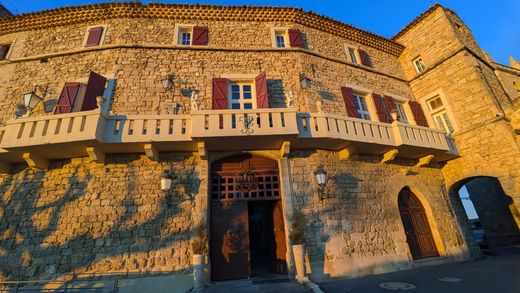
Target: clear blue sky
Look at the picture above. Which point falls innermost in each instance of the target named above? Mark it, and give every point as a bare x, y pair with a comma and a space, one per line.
496, 24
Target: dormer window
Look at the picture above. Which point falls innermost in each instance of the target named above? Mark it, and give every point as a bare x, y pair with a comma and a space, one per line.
419, 65
95, 36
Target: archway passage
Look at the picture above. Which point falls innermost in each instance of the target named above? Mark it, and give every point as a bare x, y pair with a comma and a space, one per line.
418, 233
247, 228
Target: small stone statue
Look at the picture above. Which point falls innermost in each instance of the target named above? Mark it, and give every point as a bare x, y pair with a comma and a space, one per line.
195, 102
319, 106
289, 100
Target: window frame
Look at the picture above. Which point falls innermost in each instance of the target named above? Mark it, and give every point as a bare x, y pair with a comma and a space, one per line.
181, 28
425, 103
417, 68
101, 39
241, 101
357, 96
277, 31
352, 49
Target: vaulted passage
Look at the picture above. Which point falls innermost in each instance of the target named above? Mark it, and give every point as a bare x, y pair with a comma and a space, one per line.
418, 233
247, 228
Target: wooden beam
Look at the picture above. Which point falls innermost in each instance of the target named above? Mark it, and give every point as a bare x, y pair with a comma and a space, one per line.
203, 151
35, 161
4, 167
151, 152
96, 155
285, 149
389, 156
423, 161
345, 153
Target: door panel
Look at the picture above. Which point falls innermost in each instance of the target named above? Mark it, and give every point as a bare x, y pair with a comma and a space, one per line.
279, 263
229, 240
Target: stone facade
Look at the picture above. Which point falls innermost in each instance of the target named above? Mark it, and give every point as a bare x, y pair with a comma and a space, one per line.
80, 216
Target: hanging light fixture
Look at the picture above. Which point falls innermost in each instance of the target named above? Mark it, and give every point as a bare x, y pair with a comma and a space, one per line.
305, 82
30, 100
168, 82
166, 180
321, 178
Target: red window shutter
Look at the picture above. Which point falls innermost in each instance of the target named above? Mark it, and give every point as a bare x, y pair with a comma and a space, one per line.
365, 58
350, 105
220, 93
390, 104
94, 36
382, 112
295, 38
200, 35
418, 113
262, 100
95, 88
67, 98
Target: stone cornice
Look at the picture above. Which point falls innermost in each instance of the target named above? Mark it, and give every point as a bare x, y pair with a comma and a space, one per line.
99, 12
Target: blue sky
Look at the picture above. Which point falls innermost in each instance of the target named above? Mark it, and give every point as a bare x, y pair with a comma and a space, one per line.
495, 24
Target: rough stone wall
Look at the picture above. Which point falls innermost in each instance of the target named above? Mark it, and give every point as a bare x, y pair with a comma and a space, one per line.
463, 32
510, 81
85, 217
357, 228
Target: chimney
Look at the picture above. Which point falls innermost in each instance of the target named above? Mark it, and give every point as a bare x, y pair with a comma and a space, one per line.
4, 12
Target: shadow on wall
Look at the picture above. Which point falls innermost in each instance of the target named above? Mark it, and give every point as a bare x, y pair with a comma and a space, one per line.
82, 225
276, 93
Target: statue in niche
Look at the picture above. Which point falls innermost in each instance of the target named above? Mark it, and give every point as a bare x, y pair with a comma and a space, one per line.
319, 106
289, 100
195, 101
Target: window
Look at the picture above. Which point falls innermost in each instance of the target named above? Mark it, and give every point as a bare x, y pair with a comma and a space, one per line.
419, 65
280, 39
241, 95
4, 51
362, 107
95, 36
440, 114
185, 36
352, 55
401, 113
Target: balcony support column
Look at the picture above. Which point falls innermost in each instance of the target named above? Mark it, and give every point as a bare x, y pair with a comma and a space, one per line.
389, 156
96, 155
35, 161
203, 151
285, 149
151, 152
423, 161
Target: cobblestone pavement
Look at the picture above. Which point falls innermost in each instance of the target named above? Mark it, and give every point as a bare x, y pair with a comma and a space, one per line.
497, 271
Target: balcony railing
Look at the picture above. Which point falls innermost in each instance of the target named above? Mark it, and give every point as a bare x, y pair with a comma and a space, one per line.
222, 128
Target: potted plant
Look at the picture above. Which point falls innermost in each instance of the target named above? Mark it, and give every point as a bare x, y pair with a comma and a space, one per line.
199, 248
297, 240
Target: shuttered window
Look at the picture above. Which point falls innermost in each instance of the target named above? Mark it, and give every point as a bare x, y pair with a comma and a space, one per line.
95, 87
94, 36
350, 104
382, 109
200, 36
262, 100
365, 58
418, 114
67, 98
219, 93
295, 38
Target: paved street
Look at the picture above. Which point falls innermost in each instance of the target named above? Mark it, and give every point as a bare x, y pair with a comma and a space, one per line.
498, 271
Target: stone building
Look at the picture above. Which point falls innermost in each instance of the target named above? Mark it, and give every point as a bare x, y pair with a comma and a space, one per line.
241, 106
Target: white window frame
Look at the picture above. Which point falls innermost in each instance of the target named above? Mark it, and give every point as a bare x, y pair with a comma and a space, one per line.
417, 68
445, 107
357, 96
179, 29
357, 59
242, 100
101, 40
284, 31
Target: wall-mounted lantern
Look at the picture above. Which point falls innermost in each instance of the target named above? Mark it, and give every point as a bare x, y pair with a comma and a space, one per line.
321, 178
168, 82
30, 100
305, 82
166, 180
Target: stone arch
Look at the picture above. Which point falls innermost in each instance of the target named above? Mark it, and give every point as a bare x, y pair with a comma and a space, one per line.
497, 212
430, 217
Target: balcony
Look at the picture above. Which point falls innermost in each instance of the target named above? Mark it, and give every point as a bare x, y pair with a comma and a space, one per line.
69, 135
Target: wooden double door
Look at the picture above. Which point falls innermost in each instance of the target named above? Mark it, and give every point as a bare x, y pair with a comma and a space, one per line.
418, 233
247, 228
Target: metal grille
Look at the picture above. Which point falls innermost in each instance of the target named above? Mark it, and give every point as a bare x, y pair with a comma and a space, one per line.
226, 188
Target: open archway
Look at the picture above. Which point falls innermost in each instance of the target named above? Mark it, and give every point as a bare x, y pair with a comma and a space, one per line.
490, 212
416, 226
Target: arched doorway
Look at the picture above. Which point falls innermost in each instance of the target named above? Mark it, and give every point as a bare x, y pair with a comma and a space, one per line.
247, 228
418, 233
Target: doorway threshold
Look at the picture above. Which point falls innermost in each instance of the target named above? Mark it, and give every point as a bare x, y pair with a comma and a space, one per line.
269, 278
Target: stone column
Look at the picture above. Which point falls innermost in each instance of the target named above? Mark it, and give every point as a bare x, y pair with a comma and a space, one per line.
288, 207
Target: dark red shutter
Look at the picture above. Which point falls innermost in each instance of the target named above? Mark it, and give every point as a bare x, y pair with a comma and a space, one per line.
220, 93
418, 114
95, 88
390, 104
262, 100
295, 38
365, 58
67, 98
200, 35
382, 112
350, 105
94, 36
